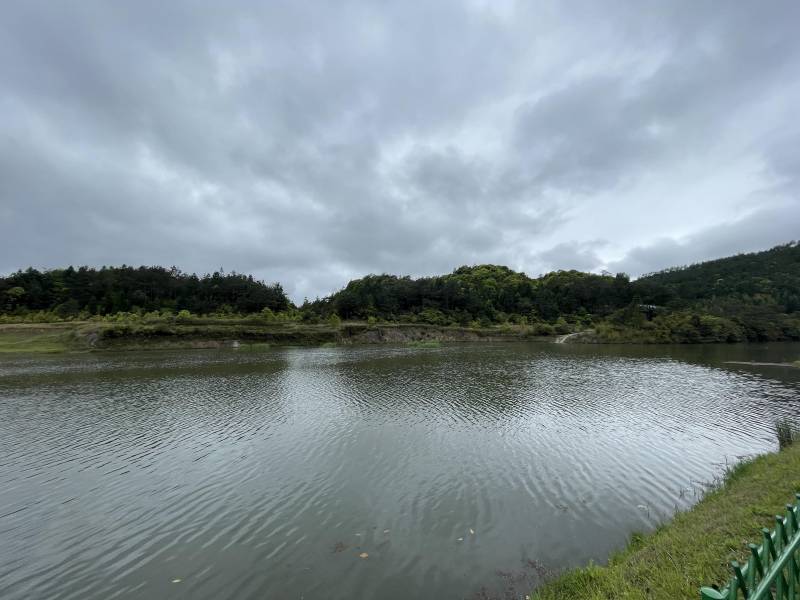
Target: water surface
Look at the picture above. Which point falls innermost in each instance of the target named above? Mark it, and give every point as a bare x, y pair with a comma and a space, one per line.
463, 471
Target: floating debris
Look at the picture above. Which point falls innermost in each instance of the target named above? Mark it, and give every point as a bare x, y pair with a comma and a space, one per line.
460, 539
363, 555
472, 532
177, 580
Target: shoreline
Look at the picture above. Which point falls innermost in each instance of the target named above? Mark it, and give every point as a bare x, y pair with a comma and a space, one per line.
696, 546
95, 336
244, 333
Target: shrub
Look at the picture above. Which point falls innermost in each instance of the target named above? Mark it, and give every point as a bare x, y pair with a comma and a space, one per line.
68, 309
433, 317
561, 326
309, 317
787, 433
542, 329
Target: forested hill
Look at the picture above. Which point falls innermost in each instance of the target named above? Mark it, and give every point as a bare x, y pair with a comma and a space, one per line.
490, 291
749, 296
69, 292
745, 297
773, 276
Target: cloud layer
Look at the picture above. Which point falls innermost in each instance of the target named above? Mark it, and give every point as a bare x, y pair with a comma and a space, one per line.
311, 143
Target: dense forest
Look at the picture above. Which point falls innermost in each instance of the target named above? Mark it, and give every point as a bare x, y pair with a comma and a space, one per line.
69, 292
745, 297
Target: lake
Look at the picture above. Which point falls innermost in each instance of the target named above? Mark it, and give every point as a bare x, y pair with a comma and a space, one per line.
464, 471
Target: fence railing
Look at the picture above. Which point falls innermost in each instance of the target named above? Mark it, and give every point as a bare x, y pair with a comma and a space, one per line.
773, 568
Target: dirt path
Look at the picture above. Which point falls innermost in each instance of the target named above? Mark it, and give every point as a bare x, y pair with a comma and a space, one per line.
562, 339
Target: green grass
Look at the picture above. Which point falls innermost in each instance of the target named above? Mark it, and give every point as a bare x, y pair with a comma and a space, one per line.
255, 347
696, 548
39, 338
425, 344
128, 333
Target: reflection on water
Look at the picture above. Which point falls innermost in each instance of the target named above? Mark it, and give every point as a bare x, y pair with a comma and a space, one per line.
268, 475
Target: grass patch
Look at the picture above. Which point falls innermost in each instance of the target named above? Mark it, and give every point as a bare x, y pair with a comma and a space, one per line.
128, 333
696, 548
787, 432
425, 344
255, 347
33, 339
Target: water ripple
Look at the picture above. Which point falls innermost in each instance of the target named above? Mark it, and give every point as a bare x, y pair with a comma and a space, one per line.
253, 475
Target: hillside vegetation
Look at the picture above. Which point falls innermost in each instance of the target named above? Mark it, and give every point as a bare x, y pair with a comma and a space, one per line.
86, 291
745, 297
748, 297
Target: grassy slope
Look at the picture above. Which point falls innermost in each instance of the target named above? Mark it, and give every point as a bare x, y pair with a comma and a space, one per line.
206, 332
48, 337
697, 546
82, 336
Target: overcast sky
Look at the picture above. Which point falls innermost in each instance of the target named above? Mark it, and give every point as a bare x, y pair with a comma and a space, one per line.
312, 143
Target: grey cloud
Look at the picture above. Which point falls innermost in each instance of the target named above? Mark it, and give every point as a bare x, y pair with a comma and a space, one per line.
585, 135
573, 255
754, 232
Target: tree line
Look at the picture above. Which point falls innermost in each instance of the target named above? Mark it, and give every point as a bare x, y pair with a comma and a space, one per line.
752, 296
108, 290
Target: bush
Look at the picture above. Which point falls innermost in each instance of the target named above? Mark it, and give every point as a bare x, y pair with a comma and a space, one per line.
433, 316
542, 329
787, 433
561, 326
68, 309
309, 317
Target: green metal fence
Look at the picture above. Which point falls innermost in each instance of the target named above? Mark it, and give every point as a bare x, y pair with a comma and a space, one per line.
773, 569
